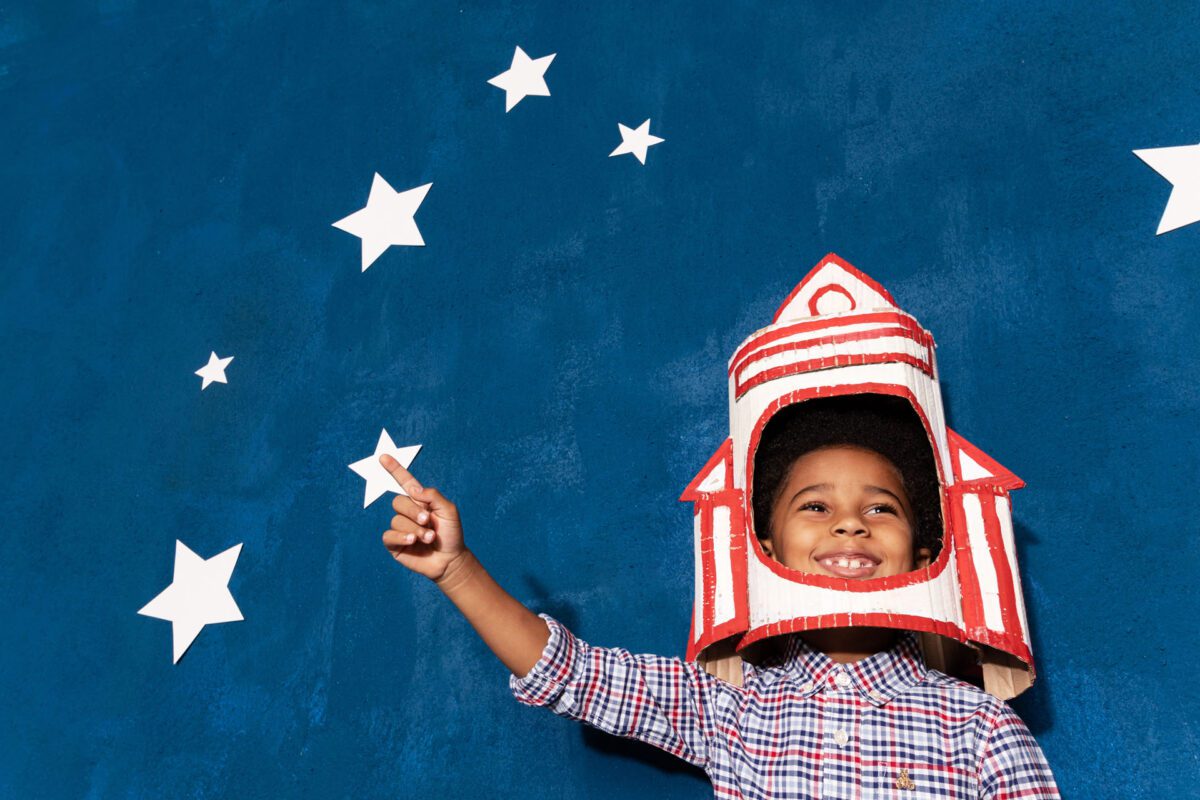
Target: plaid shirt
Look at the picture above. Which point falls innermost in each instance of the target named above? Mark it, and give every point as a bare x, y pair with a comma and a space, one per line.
886, 726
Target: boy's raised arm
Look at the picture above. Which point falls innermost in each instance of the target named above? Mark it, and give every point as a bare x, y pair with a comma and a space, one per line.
514, 633
426, 537
661, 701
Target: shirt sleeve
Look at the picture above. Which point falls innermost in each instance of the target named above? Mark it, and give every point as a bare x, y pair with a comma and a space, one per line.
666, 702
1013, 765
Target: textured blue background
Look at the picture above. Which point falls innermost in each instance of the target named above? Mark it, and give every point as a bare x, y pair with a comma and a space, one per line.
168, 176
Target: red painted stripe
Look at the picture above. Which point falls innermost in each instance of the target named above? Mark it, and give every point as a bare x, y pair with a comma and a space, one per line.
1004, 572
807, 326
832, 362
706, 561
968, 576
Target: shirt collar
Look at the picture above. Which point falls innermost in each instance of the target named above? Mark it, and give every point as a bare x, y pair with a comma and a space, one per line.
878, 678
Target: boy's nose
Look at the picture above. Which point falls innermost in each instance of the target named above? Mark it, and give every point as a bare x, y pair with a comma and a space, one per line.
851, 524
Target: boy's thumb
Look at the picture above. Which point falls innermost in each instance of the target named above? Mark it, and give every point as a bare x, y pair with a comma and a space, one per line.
435, 501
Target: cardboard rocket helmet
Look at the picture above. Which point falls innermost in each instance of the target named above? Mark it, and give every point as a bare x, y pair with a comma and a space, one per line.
841, 334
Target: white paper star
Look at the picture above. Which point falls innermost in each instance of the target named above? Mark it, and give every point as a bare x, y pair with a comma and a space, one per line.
379, 480
387, 219
198, 595
636, 141
214, 370
525, 77
1181, 166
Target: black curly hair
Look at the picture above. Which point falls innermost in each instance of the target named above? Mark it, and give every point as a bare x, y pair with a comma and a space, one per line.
885, 424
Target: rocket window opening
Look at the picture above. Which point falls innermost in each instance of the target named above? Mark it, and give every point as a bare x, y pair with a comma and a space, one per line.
887, 424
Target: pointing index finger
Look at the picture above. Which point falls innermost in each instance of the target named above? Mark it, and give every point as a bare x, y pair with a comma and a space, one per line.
403, 477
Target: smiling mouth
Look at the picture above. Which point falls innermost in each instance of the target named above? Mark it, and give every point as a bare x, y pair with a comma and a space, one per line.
849, 566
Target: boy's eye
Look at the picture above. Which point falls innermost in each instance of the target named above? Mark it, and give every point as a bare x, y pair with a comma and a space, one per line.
812, 505
884, 508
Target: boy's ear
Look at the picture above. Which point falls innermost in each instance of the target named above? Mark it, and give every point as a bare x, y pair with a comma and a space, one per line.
924, 558
766, 546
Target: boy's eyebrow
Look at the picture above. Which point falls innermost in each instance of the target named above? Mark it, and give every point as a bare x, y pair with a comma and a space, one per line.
888, 492
814, 487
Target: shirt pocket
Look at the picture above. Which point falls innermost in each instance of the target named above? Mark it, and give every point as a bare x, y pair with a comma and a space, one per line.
917, 781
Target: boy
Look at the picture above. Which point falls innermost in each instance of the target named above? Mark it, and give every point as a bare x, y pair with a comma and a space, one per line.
840, 516
838, 712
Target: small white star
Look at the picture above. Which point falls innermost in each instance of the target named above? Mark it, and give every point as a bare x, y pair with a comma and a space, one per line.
214, 370
379, 480
636, 141
1181, 166
525, 77
198, 595
387, 219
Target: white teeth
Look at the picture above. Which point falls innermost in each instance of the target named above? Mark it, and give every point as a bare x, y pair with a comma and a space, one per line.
850, 563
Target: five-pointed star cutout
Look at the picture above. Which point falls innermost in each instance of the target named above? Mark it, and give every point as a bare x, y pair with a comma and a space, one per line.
214, 370
198, 595
386, 220
379, 480
636, 141
525, 77
1181, 166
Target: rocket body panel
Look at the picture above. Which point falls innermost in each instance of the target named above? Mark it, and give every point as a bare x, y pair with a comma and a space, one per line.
840, 333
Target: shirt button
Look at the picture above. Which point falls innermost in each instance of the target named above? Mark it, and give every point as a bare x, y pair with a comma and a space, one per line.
806, 687
841, 737
842, 680
877, 697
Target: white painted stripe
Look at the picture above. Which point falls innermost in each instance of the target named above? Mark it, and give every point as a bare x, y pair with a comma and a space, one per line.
985, 566
814, 333
723, 600
1004, 514
886, 344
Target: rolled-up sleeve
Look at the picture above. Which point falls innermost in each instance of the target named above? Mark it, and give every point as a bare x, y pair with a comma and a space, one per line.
666, 702
1013, 765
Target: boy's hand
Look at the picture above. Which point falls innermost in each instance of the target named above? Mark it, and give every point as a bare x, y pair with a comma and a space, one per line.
426, 535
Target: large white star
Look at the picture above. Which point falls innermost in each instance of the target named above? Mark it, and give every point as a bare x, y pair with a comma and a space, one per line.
636, 141
214, 370
1181, 166
379, 480
525, 77
198, 595
387, 219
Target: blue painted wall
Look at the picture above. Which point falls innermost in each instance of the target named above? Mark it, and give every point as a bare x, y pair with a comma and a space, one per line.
168, 176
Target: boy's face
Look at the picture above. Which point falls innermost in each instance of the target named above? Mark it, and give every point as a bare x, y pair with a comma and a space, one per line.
843, 512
